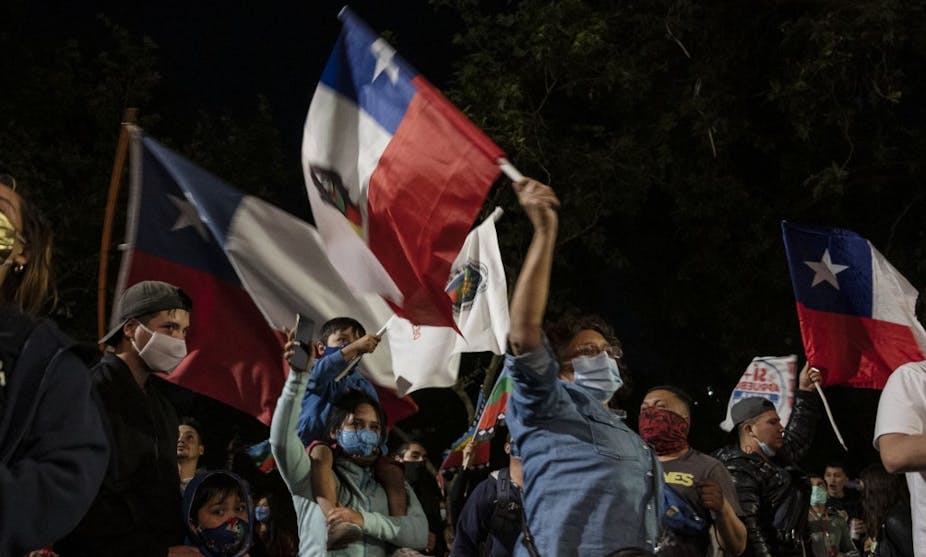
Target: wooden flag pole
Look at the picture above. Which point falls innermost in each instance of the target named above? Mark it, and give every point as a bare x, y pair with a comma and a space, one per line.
129, 117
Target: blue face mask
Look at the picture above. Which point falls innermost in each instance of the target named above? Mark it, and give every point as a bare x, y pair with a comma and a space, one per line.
262, 514
358, 442
817, 496
232, 538
599, 374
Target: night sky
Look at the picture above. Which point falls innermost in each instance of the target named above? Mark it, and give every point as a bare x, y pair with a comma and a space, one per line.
221, 55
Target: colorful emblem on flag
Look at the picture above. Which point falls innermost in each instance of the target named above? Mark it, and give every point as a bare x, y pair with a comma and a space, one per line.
405, 174
332, 191
465, 284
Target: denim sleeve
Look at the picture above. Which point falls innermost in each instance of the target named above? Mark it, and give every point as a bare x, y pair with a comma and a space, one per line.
324, 371
536, 393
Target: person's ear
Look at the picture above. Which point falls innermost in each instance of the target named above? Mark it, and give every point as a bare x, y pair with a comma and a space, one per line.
21, 258
319, 349
128, 330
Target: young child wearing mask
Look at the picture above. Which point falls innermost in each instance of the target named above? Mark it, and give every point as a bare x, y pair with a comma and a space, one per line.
343, 342
218, 514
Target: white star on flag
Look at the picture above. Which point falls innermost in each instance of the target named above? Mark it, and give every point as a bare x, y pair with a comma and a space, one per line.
188, 216
384, 54
825, 270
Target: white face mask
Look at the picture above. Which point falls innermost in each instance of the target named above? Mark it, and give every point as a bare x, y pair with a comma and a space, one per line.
163, 353
598, 373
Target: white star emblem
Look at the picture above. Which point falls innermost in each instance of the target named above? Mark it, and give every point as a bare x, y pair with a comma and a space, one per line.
825, 270
188, 216
384, 60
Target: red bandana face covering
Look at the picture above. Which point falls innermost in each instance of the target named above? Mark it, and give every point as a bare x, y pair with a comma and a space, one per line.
664, 430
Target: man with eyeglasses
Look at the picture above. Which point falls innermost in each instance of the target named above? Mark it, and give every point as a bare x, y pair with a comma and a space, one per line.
590, 482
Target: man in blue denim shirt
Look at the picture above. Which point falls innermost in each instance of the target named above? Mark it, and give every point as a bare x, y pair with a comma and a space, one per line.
590, 483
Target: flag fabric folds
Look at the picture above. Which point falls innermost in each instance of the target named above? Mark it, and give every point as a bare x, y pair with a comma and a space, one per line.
771, 377
855, 309
394, 172
248, 266
453, 459
424, 356
496, 406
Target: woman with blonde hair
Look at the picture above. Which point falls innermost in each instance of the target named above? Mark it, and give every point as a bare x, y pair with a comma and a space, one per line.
53, 450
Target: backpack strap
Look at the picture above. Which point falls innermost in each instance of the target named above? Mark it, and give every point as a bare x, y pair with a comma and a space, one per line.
503, 488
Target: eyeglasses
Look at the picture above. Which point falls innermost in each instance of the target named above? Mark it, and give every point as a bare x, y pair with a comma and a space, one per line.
594, 350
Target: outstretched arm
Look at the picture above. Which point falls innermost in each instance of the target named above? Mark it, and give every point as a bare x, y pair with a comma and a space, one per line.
529, 300
288, 452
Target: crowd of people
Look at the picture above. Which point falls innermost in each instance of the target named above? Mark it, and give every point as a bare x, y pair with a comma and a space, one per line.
95, 461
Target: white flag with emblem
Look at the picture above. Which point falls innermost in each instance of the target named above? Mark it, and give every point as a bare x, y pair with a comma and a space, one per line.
425, 356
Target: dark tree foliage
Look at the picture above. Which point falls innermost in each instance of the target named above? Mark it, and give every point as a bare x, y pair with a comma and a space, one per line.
62, 101
678, 134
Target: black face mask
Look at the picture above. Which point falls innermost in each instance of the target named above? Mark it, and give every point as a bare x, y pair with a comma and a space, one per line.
413, 472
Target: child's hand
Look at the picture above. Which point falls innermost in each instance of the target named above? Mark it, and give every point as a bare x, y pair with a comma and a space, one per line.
361, 346
345, 514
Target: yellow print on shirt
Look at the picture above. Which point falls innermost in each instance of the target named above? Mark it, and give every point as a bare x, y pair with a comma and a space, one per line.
679, 478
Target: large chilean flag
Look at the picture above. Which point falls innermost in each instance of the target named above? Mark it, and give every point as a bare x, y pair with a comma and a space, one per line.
856, 310
395, 174
249, 267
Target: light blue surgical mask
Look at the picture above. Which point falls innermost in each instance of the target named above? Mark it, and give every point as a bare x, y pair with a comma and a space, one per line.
358, 442
817, 496
262, 513
766, 450
599, 374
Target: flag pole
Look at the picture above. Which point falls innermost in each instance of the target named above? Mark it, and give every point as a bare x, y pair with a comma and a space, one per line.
129, 118
509, 170
829, 414
356, 359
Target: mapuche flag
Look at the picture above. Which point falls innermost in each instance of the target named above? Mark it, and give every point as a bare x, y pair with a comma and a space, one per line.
856, 310
395, 174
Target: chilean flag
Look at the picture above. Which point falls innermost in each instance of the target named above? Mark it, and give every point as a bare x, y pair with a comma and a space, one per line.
395, 174
249, 267
856, 310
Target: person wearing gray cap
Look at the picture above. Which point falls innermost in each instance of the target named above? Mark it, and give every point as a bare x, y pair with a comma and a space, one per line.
135, 512
773, 494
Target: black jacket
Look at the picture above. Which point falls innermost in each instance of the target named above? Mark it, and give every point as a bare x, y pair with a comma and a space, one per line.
137, 511
773, 494
53, 450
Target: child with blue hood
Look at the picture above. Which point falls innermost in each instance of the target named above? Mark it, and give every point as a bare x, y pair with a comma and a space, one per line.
218, 514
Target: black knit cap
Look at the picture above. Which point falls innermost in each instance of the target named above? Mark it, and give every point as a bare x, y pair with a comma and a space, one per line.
749, 408
146, 297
